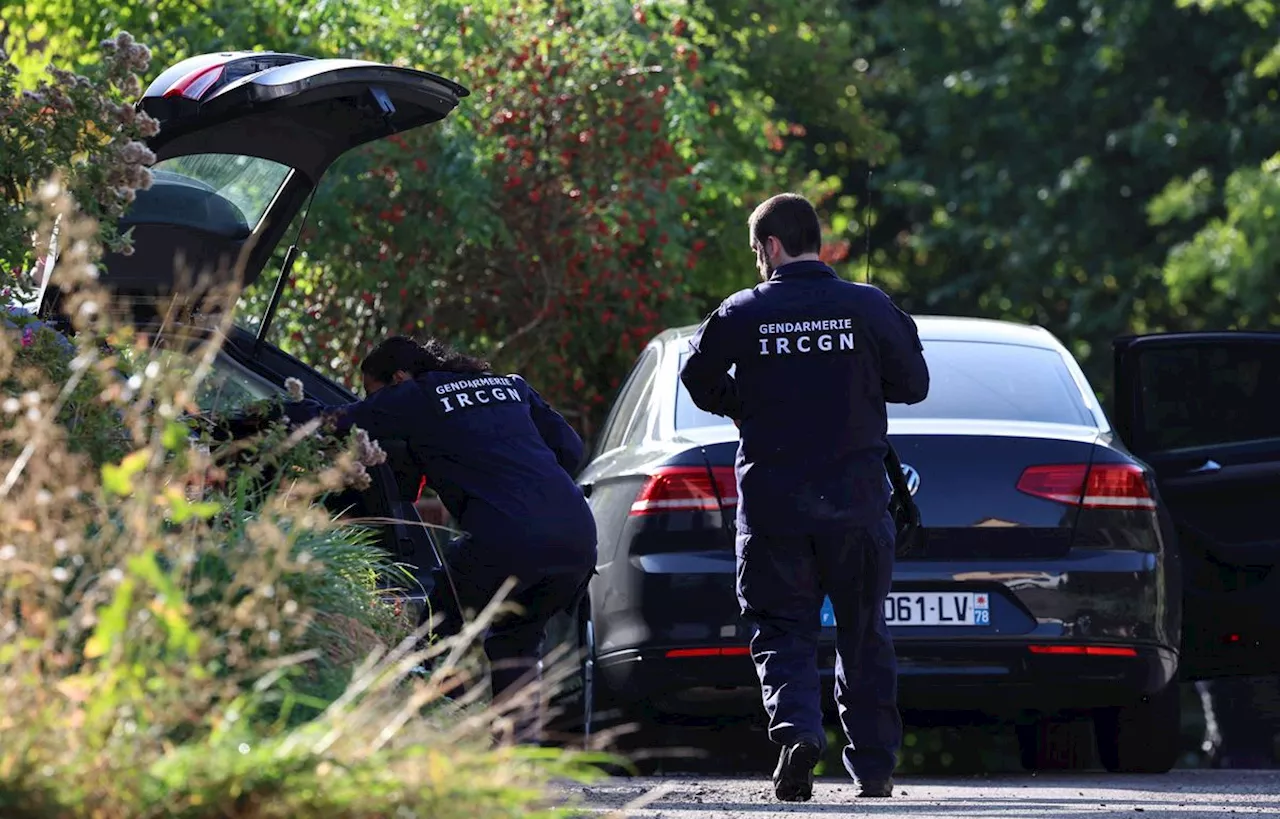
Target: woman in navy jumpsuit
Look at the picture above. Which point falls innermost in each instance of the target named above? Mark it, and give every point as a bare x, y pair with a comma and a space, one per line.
501, 460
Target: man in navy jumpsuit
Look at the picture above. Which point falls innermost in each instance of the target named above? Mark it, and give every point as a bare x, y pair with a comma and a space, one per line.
501, 461
815, 359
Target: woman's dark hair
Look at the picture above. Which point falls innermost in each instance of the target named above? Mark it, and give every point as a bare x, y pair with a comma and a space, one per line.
403, 353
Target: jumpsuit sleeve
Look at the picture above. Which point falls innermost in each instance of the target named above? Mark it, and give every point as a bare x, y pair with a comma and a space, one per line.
706, 371
904, 375
555, 431
375, 414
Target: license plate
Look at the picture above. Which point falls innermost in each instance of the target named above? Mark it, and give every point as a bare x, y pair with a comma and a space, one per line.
929, 609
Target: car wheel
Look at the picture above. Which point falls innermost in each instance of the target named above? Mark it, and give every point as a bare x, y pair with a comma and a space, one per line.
1054, 743
1142, 737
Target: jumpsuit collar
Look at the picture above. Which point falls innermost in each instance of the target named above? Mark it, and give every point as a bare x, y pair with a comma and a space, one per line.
802, 270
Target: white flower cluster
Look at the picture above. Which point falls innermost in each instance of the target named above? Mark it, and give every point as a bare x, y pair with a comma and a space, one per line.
368, 452
132, 55
293, 388
129, 164
126, 165
357, 477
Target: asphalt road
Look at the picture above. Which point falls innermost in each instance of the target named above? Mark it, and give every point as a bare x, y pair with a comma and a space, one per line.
1186, 793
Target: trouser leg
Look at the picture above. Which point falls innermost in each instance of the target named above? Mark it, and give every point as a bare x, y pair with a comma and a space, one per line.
779, 595
514, 647
856, 570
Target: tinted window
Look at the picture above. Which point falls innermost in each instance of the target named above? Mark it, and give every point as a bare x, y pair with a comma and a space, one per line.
236, 186
974, 381
688, 415
628, 400
1208, 394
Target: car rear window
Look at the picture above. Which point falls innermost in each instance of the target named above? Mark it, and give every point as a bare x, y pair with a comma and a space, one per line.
984, 381
974, 381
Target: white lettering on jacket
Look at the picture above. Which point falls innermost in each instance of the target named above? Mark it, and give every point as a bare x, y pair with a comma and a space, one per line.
806, 337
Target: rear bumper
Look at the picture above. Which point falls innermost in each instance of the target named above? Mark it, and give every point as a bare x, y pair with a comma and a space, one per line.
1006, 677
1088, 597
996, 678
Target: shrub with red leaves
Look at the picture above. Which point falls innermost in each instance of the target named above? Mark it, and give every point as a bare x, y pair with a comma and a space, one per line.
551, 222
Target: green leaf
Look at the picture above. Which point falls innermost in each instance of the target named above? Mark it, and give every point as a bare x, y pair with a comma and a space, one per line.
117, 479
175, 436
112, 621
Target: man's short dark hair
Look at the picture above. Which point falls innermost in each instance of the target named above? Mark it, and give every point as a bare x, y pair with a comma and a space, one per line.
792, 219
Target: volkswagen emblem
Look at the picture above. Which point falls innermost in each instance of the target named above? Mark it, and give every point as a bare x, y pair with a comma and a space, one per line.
912, 476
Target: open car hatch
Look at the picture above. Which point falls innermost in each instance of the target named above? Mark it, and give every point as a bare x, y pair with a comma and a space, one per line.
244, 139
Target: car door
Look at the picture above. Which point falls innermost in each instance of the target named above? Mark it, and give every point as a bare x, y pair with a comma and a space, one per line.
1203, 410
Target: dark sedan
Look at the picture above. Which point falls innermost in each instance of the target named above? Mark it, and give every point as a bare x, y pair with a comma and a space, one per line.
1048, 582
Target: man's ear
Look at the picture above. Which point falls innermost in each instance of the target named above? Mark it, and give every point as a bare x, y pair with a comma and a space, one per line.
401, 376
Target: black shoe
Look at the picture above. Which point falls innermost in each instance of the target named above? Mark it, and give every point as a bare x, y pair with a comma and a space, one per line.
793, 778
876, 788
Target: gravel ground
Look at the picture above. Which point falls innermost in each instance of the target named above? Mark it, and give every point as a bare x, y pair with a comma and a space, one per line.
1188, 793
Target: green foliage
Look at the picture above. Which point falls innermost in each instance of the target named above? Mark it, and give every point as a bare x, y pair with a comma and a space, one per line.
555, 221
1225, 274
1229, 267
1033, 137
591, 192
184, 637
39, 357
76, 126
44, 32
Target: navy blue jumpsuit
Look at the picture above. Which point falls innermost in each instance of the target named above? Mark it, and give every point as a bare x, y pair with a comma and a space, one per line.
501, 461
815, 360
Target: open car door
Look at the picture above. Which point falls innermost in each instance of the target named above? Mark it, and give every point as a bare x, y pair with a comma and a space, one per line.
1203, 409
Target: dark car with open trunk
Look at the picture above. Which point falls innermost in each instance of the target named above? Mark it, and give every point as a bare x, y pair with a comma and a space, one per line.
244, 140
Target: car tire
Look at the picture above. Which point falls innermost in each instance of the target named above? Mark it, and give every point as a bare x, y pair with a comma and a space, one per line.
1143, 737
1051, 742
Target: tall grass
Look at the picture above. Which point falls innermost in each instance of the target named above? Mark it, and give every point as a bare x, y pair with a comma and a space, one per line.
186, 632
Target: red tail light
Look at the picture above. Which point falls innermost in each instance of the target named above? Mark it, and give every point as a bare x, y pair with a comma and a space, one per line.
732, 651
1102, 486
686, 489
1091, 651
193, 85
